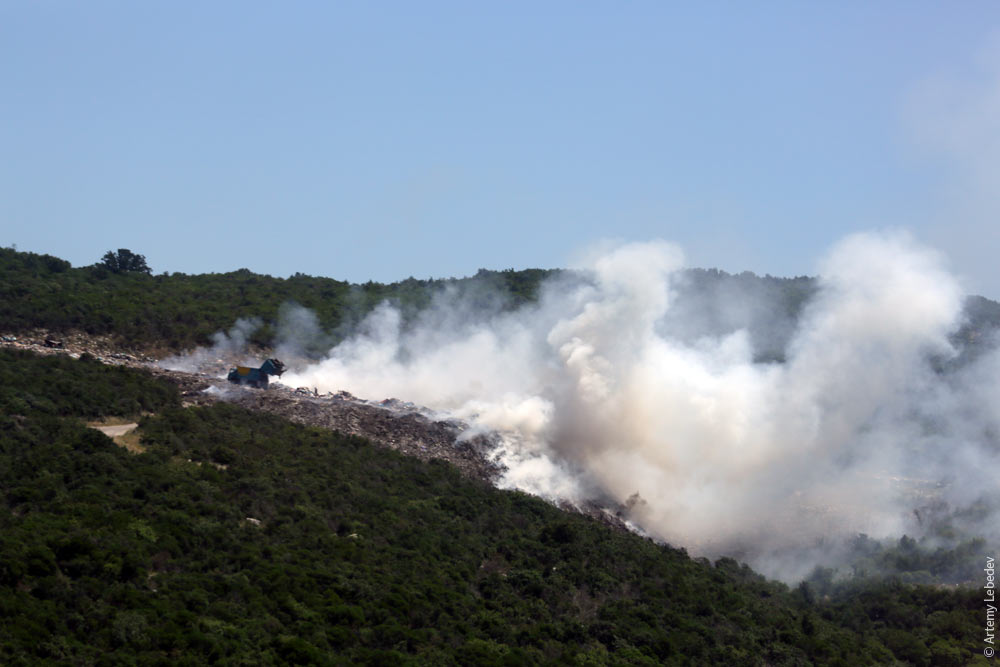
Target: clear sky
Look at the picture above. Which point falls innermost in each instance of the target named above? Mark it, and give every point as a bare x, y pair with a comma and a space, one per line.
379, 140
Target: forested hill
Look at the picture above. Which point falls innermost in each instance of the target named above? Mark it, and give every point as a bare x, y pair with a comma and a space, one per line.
179, 311
238, 538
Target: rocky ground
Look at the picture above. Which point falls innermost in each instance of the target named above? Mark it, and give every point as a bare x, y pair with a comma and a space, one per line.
409, 432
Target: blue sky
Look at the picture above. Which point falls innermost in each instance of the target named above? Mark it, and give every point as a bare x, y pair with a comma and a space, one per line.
383, 140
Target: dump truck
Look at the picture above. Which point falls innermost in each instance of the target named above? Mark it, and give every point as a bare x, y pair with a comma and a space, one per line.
256, 377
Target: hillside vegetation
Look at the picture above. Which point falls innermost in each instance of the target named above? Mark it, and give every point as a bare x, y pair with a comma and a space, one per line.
171, 312
178, 311
239, 538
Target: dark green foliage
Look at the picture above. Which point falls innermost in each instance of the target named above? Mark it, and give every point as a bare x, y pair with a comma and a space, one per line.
314, 548
182, 311
59, 385
124, 261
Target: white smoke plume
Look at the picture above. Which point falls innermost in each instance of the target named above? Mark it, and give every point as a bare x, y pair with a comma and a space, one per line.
225, 345
596, 400
299, 334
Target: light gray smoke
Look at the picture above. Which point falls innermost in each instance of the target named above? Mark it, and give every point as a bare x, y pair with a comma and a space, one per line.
299, 335
225, 344
596, 399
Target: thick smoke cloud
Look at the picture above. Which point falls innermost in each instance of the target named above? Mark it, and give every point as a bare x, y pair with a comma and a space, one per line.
597, 398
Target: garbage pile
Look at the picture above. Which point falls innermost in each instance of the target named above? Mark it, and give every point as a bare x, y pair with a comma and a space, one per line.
409, 432
76, 344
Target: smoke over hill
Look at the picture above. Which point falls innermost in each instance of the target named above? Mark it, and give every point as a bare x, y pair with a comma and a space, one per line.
602, 391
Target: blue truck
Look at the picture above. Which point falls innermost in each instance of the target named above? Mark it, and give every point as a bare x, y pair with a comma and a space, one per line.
256, 377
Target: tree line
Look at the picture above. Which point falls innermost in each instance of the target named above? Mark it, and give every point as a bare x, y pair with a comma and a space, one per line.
119, 296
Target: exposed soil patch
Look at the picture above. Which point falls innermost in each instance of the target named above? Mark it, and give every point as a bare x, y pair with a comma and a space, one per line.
124, 435
116, 430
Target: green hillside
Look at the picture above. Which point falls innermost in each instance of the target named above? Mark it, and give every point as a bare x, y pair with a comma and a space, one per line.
170, 312
239, 538
179, 311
